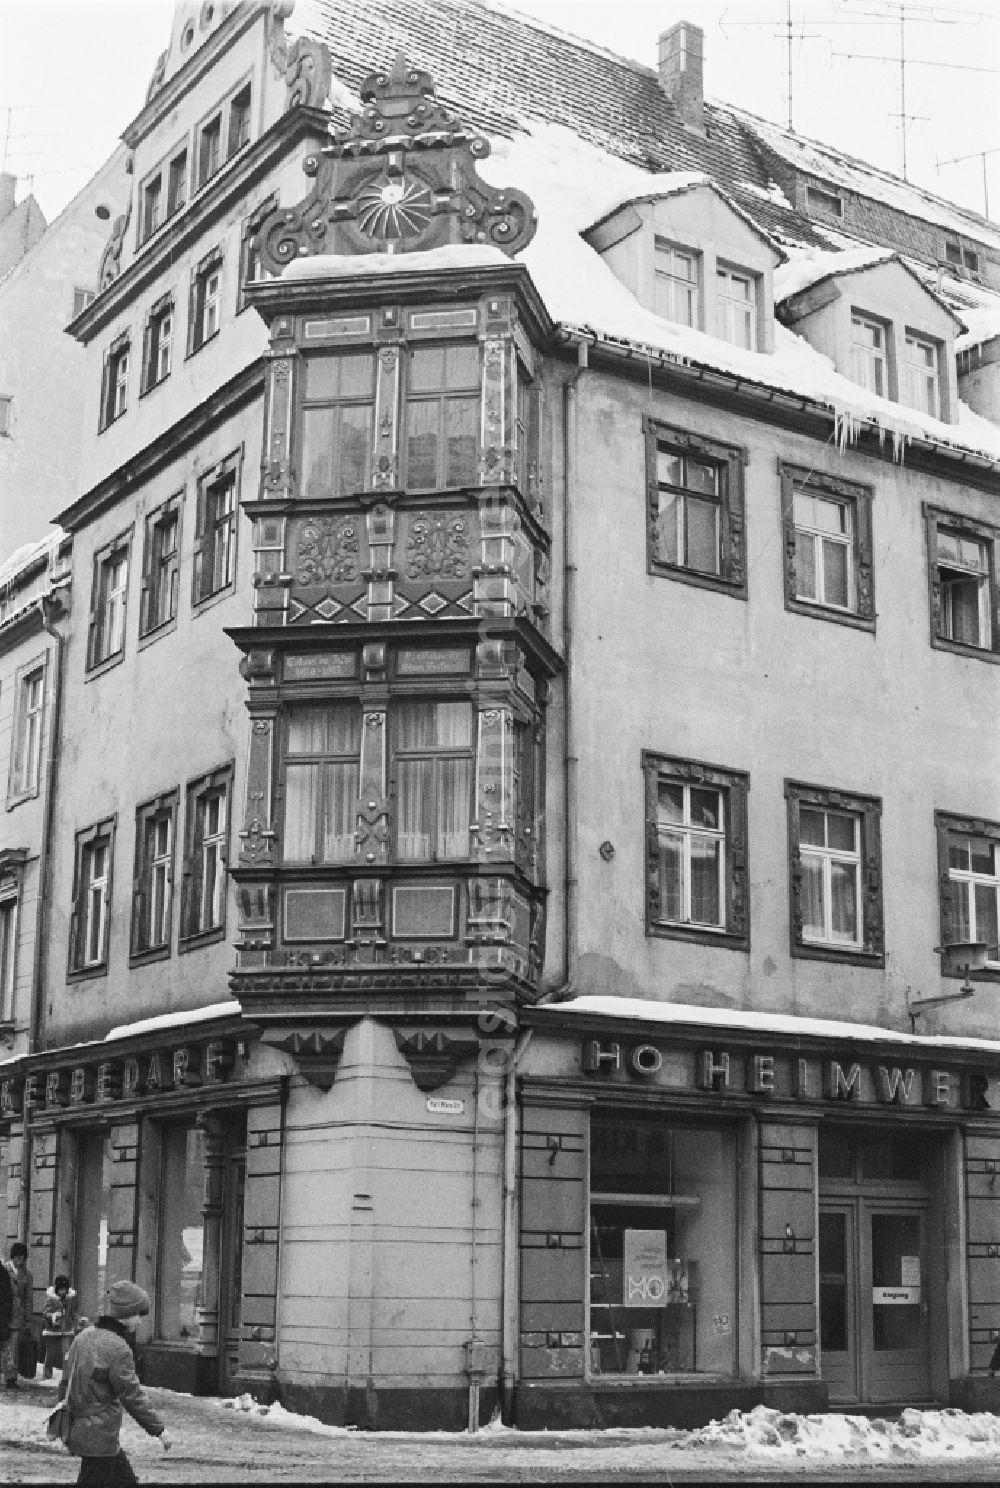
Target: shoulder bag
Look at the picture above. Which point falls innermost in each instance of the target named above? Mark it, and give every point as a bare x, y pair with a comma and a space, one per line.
60, 1421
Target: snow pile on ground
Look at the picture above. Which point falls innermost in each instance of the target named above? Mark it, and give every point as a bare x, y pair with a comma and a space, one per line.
278, 1416
764, 1431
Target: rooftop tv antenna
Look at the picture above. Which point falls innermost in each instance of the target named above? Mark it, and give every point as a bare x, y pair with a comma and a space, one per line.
888, 12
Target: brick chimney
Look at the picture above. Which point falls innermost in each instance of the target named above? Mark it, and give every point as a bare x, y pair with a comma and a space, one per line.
8, 185
682, 51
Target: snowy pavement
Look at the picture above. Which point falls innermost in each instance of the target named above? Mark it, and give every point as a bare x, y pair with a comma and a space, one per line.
236, 1441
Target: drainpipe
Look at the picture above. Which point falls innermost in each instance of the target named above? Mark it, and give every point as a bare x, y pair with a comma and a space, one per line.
570, 762
511, 1253
50, 609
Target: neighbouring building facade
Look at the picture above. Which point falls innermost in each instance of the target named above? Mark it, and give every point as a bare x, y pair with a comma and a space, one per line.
44, 284
529, 811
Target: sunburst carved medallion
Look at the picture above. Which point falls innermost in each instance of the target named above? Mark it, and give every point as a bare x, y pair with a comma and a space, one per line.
394, 208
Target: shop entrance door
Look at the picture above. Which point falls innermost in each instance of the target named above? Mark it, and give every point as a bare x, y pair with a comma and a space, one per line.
874, 1310
231, 1298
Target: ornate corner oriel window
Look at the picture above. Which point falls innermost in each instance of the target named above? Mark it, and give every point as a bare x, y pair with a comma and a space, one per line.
835, 875
963, 578
969, 878
695, 509
827, 524
697, 878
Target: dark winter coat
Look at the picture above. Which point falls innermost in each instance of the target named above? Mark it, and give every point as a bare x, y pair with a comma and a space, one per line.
6, 1303
60, 1314
23, 1286
104, 1380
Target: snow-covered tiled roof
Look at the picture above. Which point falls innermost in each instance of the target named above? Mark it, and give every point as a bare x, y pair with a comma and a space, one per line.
811, 267
673, 183
578, 127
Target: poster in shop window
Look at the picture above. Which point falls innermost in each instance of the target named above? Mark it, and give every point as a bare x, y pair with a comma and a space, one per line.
646, 1268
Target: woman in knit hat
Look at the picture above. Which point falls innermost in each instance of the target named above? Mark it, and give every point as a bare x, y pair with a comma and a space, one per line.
100, 1374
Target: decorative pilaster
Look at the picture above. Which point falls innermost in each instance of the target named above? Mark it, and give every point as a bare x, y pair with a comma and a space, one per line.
261, 1228
212, 1209
276, 464
372, 834
258, 840
385, 456
381, 572
493, 830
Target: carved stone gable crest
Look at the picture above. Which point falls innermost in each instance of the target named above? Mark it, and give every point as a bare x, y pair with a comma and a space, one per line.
401, 178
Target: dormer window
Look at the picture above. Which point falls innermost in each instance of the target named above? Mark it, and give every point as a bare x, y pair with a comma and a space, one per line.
736, 301
920, 375
675, 286
869, 366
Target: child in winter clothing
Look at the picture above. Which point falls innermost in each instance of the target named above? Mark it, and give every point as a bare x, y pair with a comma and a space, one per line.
60, 1317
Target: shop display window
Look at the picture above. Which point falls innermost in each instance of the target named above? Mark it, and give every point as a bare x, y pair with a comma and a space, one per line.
180, 1273
93, 1191
662, 1247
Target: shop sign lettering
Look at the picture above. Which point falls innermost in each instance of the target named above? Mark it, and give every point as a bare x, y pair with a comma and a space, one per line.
844, 1081
132, 1077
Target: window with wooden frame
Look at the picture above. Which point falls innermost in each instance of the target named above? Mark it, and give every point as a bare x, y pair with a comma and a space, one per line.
27, 728
921, 382
215, 531
676, 283
969, 880
108, 601
209, 148
322, 781
828, 556
206, 858
835, 874
251, 264
81, 299
6, 417
869, 354
151, 205
92, 886
205, 301
697, 875
695, 505
433, 757
441, 415
157, 343
736, 307
8, 948
114, 386
963, 576
177, 178
160, 567
153, 879
338, 415
238, 133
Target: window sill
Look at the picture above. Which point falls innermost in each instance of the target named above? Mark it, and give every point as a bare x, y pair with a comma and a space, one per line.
18, 798
849, 618
803, 950
87, 973
735, 588
961, 648
152, 386
106, 665
143, 958
199, 606
157, 633
196, 942
726, 940
194, 350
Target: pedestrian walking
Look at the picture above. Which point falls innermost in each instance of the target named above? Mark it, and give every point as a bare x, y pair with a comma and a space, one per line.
22, 1287
59, 1323
99, 1379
